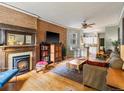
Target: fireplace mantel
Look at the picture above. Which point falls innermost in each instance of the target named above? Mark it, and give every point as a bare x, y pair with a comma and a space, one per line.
16, 28
6, 49
15, 35
17, 47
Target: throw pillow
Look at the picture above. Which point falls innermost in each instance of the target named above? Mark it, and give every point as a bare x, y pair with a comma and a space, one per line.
101, 64
116, 62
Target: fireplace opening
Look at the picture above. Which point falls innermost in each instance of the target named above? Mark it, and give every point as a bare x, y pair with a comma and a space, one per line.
22, 63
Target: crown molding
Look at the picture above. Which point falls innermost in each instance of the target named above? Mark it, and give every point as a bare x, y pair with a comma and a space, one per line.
18, 9
40, 18
31, 14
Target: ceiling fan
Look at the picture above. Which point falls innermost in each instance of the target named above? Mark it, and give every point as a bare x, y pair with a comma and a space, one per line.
86, 25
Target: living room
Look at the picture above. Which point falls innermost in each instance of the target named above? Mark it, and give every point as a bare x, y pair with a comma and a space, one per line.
51, 51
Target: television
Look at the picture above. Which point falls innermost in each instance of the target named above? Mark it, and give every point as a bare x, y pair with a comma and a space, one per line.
52, 37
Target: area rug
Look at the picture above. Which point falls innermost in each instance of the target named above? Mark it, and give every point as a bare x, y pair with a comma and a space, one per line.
62, 70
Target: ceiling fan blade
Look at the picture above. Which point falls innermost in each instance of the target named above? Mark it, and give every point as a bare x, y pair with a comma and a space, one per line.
82, 24
92, 24
84, 27
89, 26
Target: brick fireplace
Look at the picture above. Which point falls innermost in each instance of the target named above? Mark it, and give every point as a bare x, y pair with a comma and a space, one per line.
21, 57
17, 47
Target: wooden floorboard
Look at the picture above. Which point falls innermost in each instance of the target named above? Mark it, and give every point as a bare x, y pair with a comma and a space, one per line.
48, 81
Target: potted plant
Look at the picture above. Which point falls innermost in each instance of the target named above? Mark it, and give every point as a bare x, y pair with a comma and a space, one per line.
115, 43
63, 51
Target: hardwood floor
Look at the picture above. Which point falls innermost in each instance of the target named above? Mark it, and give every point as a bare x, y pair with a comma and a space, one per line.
48, 81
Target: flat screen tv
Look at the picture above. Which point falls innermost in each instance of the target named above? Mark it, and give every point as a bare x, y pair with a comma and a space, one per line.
52, 37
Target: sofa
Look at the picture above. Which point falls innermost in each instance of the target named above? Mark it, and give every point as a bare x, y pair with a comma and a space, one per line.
95, 73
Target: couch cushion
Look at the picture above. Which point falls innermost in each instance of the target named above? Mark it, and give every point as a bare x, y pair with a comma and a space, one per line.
114, 54
116, 62
101, 64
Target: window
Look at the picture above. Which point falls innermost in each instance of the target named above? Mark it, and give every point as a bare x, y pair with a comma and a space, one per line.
74, 39
90, 39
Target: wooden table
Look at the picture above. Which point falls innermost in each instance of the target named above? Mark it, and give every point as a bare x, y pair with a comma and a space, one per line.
75, 64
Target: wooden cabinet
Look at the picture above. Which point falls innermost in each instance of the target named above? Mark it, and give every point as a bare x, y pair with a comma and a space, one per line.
50, 52
56, 52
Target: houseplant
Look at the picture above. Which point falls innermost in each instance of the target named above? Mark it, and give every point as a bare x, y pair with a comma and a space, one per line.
115, 43
63, 52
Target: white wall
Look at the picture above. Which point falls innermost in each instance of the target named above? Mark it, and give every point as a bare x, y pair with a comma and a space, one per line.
70, 32
111, 34
121, 36
101, 35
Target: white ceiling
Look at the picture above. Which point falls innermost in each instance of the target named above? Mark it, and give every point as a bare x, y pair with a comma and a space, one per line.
71, 14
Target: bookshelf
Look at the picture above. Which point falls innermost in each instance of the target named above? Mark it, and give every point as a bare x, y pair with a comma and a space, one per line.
50, 52
56, 52
45, 52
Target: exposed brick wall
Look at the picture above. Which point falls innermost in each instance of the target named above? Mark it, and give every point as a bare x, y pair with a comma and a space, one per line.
10, 16
44, 26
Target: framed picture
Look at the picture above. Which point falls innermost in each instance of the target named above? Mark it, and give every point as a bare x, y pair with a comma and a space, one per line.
28, 39
11, 37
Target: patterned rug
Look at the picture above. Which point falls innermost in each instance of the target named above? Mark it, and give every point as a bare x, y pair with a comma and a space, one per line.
62, 70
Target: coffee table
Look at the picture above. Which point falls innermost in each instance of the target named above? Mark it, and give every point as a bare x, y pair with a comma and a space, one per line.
75, 64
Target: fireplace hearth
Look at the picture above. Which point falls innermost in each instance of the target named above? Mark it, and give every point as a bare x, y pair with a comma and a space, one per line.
22, 63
